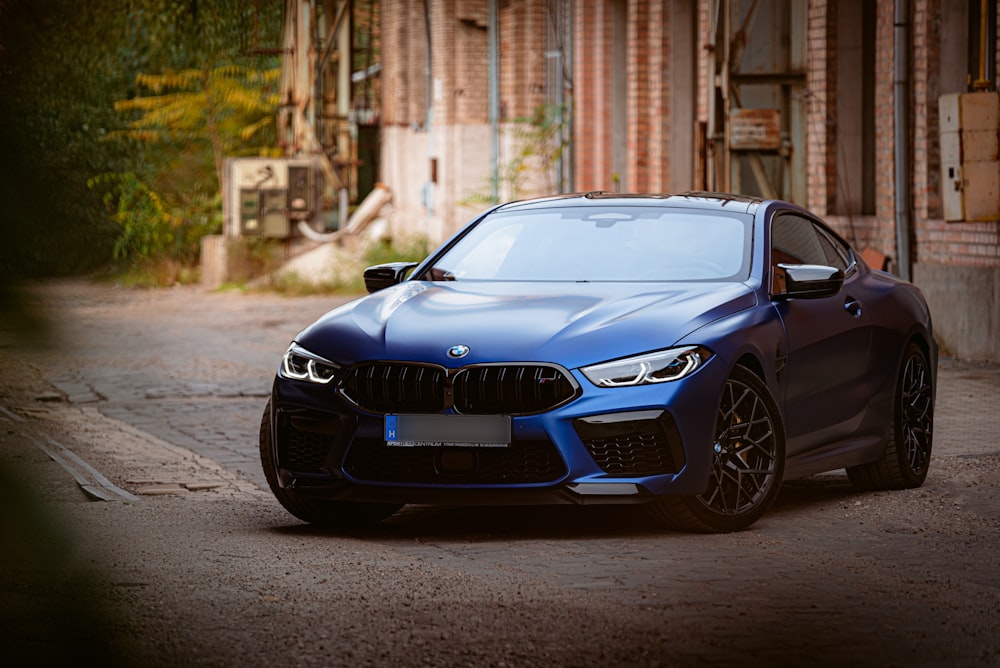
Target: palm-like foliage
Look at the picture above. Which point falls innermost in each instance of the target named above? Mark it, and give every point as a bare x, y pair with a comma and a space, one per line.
223, 109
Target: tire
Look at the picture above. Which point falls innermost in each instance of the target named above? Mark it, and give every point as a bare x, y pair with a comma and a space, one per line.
337, 514
906, 459
747, 468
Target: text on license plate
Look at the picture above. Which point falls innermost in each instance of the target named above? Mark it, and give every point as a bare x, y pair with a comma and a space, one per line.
466, 431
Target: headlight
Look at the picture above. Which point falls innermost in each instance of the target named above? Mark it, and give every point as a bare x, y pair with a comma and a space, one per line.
300, 364
648, 369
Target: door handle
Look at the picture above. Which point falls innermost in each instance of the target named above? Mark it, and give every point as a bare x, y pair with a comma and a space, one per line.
852, 306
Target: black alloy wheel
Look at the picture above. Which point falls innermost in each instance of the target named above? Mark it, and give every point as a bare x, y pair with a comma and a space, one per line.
907, 456
747, 465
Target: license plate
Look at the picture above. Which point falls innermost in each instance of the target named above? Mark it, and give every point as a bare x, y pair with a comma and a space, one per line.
452, 431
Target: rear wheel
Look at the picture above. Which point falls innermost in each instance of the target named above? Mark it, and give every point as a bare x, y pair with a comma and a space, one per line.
747, 466
906, 459
316, 511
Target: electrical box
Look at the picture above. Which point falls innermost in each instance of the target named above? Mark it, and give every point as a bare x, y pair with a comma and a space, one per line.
263, 196
249, 212
301, 193
970, 156
274, 222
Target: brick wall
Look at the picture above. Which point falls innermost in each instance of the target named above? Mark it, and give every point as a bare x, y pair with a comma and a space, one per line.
642, 94
465, 59
460, 72
821, 83
649, 63
459, 57
956, 244
403, 62
705, 58
649, 60
522, 58
933, 239
592, 105
925, 45
471, 63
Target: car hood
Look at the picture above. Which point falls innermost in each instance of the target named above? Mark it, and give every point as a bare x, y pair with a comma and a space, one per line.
573, 324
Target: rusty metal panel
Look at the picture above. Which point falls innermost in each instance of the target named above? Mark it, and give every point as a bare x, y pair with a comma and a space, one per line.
981, 190
970, 156
980, 111
980, 114
755, 129
756, 143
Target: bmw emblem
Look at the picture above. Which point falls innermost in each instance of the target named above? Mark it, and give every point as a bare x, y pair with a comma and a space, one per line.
458, 351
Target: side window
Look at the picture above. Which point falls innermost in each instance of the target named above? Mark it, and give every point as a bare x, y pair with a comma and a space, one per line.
836, 255
794, 240
797, 240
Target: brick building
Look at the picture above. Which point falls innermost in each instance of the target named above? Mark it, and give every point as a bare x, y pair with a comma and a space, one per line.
832, 104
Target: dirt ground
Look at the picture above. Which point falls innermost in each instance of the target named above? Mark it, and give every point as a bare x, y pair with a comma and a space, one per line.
191, 562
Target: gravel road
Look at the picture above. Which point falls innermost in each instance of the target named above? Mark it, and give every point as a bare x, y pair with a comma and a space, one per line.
189, 561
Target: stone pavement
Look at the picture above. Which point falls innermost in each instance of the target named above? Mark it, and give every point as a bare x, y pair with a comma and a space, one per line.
190, 368
173, 383
220, 420
967, 410
195, 369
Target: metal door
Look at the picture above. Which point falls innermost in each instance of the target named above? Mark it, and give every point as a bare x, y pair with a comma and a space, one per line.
757, 104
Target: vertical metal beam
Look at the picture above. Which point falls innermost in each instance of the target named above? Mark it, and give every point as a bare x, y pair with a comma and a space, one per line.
711, 131
345, 145
300, 91
570, 160
620, 96
683, 83
554, 80
902, 136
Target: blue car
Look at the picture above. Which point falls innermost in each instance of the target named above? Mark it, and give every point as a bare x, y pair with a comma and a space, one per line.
684, 353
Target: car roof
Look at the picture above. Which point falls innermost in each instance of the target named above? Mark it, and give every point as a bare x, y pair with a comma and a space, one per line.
688, 200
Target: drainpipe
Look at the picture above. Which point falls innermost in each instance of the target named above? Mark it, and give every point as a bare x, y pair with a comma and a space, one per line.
902, 136
493, 77
982, 82
429, 119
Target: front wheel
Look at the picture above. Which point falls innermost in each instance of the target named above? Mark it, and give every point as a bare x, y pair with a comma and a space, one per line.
747, 466
340, 514
907, 456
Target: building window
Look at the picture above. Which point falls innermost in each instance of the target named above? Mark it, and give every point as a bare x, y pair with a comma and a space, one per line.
855, 108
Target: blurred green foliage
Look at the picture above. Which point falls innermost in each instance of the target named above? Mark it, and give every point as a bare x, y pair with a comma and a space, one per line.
91, 173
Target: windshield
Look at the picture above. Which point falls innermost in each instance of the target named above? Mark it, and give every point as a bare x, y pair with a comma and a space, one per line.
600, 244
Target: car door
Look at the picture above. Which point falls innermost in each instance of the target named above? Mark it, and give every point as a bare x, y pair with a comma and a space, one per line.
827, 344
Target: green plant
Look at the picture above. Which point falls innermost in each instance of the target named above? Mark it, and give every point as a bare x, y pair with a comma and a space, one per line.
154, 244
64, 63
146, 228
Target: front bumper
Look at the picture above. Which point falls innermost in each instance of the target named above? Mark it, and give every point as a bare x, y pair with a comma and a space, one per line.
607, 446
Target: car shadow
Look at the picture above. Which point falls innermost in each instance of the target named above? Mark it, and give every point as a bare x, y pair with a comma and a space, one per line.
817, 491
501, 523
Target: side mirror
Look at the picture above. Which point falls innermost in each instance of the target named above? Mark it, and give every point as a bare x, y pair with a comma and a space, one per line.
382, 276
806, 281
